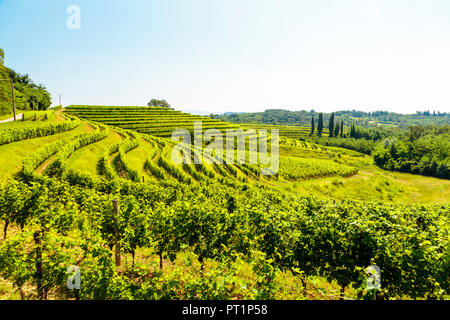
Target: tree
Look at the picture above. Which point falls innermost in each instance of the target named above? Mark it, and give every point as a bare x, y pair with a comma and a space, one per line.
336, 130
443, 171
43, 101
320, 125
158, 103
352, 131
342, 128
393, 151
312, 126
331, 125
2, 56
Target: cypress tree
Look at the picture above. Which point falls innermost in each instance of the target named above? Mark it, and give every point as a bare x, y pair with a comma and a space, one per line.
312, 126
393, 151
320, 125
336, 130
342, 128
331, 125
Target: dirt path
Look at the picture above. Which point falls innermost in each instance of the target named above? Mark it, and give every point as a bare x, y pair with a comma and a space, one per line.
114, 133
59, 117
119, 168
111, 157
44, 166
88, 127
18, 116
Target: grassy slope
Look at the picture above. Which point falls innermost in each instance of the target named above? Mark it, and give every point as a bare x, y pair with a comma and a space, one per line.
11, 155
372, 184
137, 157
86, 158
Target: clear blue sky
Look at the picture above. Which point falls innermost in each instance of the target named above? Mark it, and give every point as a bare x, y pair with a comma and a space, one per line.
236, 55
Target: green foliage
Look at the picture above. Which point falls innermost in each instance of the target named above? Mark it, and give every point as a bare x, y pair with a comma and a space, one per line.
173, 171
28, 95
336, 130
365, 119
125, 167
215, 223
331, 125
104, 168
157, 121
320, 125
154, 169
159, 103
17, 134
302, 168
360, 145
423, 150
270, 230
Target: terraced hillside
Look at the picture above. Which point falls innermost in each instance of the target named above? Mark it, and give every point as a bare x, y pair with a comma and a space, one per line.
292, 132
156, 121
98, 150
193, 231
150, 156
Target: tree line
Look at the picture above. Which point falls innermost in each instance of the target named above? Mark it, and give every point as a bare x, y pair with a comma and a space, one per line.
361, 118
420, 149
27, 94
334, 129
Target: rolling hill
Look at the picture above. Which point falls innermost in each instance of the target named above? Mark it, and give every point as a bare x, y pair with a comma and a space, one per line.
199, 226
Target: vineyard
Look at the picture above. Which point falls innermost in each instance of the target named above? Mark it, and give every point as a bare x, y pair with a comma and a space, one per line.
156, 121
293, 132
96, 189
300, 168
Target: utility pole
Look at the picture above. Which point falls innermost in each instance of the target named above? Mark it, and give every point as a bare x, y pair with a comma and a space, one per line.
37, 103
116, 233
26, 96
14, 105
60, 103
12, 93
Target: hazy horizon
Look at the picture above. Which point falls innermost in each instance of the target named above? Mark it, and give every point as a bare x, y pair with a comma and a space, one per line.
204, 112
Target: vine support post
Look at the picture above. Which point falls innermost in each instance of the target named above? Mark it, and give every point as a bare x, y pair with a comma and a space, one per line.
116, 235
342, 295
38, 261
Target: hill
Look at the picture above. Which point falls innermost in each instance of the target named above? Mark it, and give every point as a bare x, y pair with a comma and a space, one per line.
156, 121
423, 138
90, 186
27, 95
366, 119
